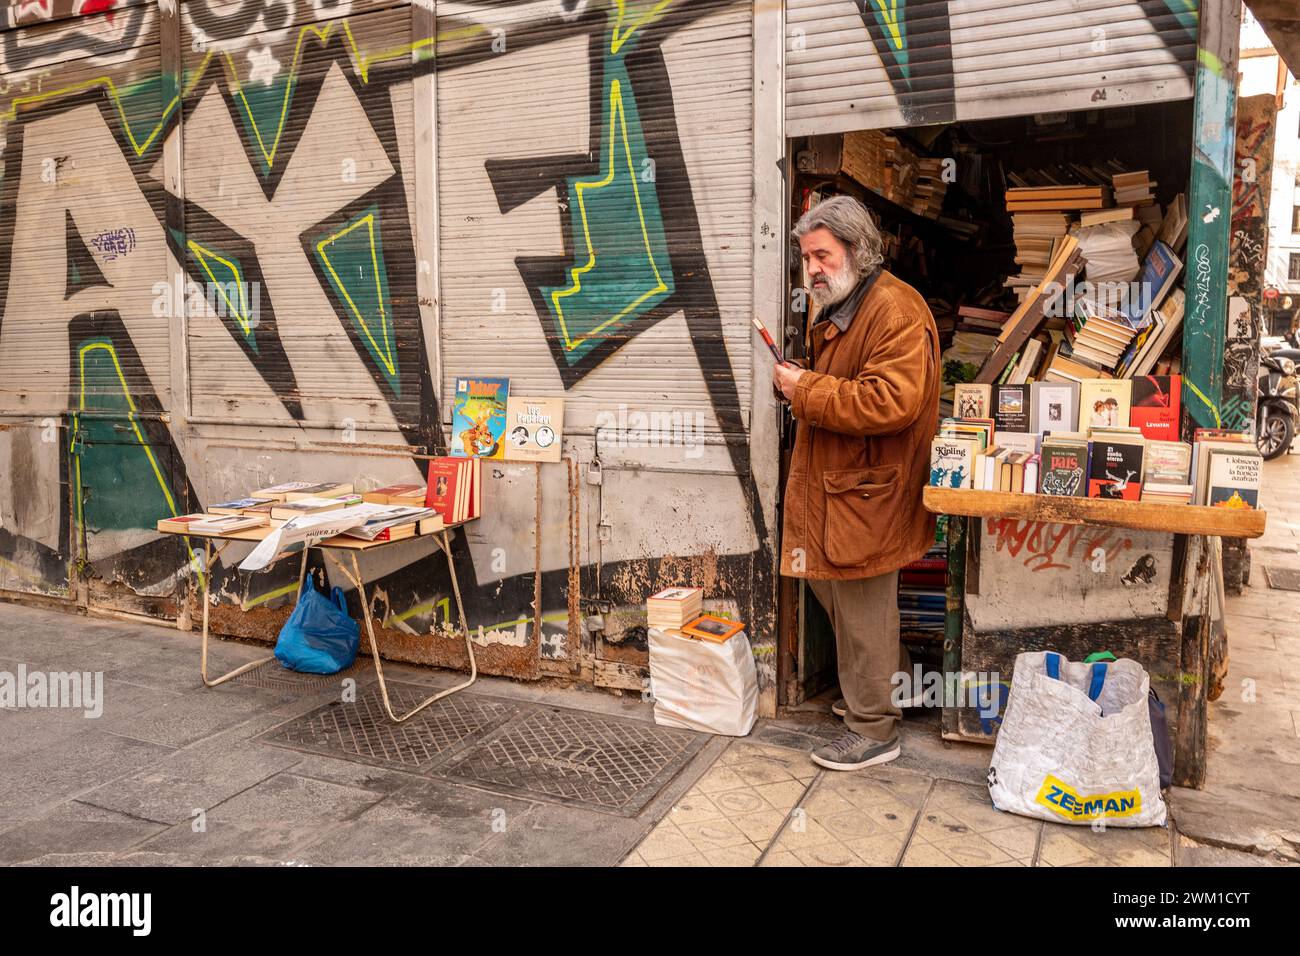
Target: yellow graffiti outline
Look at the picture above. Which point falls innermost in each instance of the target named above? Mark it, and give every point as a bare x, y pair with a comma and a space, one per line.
385, 352
890, 16
135, 427
241, 310
269, 595
618, 41
361, 61
616, 109
1208, 404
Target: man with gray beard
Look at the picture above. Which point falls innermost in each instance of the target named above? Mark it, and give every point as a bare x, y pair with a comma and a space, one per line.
865, 414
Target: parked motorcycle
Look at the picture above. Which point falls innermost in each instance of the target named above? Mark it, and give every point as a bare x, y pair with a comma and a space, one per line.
1278, 410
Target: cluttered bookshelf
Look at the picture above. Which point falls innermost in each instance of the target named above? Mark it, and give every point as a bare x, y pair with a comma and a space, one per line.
1051, 250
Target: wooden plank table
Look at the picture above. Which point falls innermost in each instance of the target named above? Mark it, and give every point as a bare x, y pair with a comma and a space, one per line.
1140, 515
350, 546
1131, 577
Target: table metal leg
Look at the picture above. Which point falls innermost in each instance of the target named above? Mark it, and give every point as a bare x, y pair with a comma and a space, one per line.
354, 576
208, 558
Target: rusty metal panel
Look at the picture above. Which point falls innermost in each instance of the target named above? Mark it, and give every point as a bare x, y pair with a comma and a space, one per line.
868, 64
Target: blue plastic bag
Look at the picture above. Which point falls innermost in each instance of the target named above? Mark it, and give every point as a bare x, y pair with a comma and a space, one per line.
319, 637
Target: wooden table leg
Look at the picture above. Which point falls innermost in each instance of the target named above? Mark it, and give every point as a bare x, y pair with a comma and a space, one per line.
208, 558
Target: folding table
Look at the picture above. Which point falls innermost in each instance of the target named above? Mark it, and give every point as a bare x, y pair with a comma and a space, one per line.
350, 546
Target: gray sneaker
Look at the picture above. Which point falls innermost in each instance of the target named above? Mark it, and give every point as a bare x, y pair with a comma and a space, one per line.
851, 751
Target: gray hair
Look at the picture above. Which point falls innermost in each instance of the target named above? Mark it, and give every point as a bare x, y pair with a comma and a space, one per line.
850, 223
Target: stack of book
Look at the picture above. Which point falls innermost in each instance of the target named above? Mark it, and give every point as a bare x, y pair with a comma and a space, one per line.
922, 588
453, 490
1097, 335
311, 505
674, 608
974, 319
1133, 189
885, 165
1036, 235
1167, 475
407, 494
930, 188
388, 522
1226, 467
297, 490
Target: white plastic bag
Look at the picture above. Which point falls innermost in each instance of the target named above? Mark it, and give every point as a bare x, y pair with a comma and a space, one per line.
701, 685
1075, 745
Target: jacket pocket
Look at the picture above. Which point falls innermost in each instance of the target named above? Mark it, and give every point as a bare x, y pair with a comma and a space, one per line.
861, 513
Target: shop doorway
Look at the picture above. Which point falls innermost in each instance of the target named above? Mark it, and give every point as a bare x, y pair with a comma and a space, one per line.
938, 194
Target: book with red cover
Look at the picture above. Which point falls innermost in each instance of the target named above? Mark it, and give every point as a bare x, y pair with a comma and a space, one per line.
1155, 406
445, 487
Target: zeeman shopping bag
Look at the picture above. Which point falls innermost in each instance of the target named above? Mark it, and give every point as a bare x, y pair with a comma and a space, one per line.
702, 685
1076, 746
320, 636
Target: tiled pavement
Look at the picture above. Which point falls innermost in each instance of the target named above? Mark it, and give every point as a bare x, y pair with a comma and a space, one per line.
1248, 813
133, 786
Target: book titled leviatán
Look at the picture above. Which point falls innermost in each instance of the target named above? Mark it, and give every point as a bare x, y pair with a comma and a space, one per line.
478, 420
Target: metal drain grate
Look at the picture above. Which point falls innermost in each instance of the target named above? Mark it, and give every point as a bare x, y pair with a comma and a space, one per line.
572, 757
363, 732
1283, 579
272, 676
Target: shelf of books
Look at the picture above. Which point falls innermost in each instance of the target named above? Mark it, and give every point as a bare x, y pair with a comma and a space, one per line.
1097, 452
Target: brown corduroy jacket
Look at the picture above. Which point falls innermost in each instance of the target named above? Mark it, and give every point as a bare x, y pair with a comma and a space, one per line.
866, 414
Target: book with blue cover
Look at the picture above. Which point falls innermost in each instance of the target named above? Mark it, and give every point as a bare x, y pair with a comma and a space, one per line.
478, 418
1159, 270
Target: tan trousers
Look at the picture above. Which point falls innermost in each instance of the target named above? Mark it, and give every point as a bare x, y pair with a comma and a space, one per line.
864, 614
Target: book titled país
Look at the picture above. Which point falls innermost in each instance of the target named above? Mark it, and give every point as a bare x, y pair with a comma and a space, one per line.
1064, 468
478, 419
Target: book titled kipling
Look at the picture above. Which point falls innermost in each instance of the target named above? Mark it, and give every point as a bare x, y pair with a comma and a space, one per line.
1115, 470
952, 461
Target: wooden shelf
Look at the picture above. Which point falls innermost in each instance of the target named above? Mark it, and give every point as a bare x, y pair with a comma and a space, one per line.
1143, 515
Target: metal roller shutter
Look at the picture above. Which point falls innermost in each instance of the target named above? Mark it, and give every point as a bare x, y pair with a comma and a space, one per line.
866, 64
